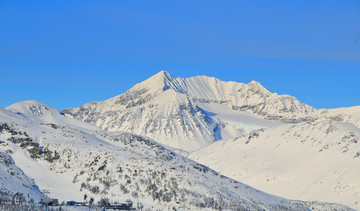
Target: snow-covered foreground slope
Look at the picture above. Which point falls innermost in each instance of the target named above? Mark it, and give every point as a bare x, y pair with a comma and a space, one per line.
70, 163
14, 183
307, 161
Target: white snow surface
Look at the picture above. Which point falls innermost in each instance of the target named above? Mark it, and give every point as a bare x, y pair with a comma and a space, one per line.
308, 161
347, 114
122, 166
39, 112
234, 123
13, 180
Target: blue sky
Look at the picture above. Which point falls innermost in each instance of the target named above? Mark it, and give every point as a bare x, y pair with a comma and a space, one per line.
67, 53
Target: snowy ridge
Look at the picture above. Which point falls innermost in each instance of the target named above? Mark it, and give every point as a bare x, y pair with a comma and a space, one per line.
39, 112
351, 115
70, 163
252, 97
307, 161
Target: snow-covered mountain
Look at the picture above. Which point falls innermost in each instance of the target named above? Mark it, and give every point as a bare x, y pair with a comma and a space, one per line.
73, 161
309, 161
153, 108
173, 110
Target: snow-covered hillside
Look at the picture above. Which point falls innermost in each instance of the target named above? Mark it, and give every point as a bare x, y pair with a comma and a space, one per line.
350, 114
71, 162
307, 161
41, 113
13, 181
14, 184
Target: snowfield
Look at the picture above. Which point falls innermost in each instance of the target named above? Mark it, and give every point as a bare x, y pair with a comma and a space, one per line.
307, 161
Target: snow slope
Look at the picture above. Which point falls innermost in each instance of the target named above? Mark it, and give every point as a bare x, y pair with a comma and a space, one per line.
13, 181
234, 123
70, 162
307, 161
252, 97
350, 114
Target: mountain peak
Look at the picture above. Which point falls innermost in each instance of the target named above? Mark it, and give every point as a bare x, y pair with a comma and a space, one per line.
254, 82
165, 78
163, 72
39, 112
29, 105
33, 109
27, 102
161, 75
161, 81
258, 86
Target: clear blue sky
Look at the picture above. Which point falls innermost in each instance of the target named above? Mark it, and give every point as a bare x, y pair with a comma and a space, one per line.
66, 53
